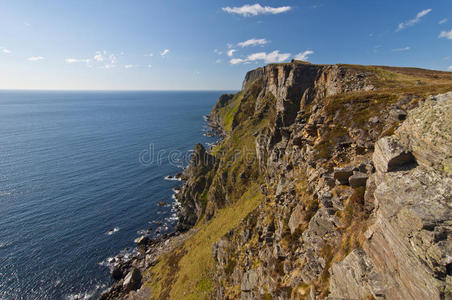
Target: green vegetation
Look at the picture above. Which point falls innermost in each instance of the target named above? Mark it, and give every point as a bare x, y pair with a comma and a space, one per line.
186, 273
354, 109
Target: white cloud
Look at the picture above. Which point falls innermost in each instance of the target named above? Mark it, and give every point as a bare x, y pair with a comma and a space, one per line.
443, 21
149, 54
449, 68
446, 34
256, 9
128, 66
111, 61
272, 57
252, 42
101, 59
303, 55
235, 61
149, 66
164, 52
401, 49
229, 45
231, 52
77, 60
98, 57
218, 61
35, 58
415, 20
4, 50
216, 51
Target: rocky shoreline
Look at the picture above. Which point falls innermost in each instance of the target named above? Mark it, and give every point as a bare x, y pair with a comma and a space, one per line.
129, 276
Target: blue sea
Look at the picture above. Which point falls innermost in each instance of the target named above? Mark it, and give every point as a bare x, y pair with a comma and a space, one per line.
81, 176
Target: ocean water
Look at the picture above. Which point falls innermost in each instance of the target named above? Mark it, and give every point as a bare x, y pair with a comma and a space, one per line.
81, 176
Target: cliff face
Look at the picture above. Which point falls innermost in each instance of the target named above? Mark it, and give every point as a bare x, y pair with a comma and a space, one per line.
331, 181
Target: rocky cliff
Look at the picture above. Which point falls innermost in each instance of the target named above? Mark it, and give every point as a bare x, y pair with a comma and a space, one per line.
330, 182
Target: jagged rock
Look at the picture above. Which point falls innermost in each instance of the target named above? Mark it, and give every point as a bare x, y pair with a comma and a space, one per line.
429, 139
296, 218
116, 273
357, 179
342, 174
220, 251
132, 281
398, 114
390, 155
142, 240
355, 278
373, 120
249, 281
408, 244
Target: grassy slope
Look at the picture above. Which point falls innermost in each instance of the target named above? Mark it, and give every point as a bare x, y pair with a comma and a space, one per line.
186, 272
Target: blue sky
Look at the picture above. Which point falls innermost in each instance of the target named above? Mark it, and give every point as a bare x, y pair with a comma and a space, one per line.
192, 45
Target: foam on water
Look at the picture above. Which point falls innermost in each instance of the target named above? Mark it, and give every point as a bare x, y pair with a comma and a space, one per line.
112, 231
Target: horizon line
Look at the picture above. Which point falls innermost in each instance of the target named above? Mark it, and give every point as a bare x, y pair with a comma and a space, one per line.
120, 90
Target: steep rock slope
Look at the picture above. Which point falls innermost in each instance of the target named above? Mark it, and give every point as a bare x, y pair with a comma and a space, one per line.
297, 200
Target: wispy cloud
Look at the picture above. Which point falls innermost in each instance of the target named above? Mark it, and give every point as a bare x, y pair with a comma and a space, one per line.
218, 61
449, 68
112, 60
77, 60
216, 51
164, 52
304, 55
271, 57
443, 21
446, 35
149, 54
252, 42
412, 22
101, 59
256, 9
149, 66
401, 49
128, 66
4, 50
231, 52
35, 58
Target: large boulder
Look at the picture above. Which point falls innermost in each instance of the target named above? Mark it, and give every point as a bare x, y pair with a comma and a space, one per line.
358, 179
390, 155
249, 281
342, 174
132, 281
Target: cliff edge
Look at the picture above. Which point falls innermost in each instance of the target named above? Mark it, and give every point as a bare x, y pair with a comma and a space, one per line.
330, 182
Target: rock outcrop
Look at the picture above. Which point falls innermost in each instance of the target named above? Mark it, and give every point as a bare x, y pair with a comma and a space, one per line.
407, 253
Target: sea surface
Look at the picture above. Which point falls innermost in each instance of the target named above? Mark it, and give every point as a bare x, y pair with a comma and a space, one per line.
81, 176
